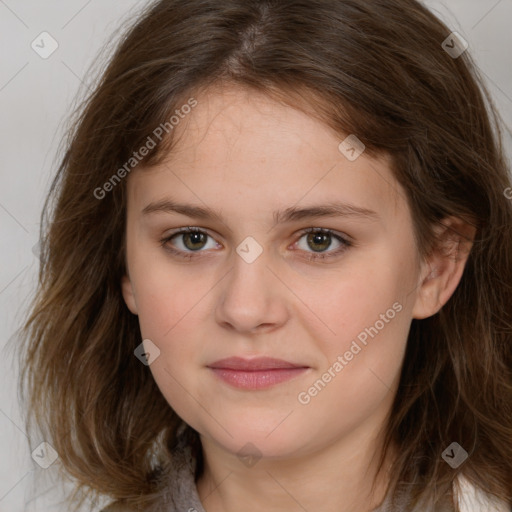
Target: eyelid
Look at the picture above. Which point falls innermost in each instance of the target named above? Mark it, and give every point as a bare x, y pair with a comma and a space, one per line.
343, 236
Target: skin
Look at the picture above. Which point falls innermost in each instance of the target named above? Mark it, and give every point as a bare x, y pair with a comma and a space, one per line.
245, 155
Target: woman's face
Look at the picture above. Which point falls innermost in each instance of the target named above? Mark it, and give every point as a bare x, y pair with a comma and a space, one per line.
251, 288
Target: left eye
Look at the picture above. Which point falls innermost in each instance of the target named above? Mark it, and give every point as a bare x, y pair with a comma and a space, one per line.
193, 240
322, 239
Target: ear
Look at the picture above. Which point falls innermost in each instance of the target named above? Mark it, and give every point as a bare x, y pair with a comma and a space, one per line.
128, 294
441, 272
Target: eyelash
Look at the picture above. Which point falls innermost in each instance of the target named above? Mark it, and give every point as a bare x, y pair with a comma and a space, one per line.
314, 256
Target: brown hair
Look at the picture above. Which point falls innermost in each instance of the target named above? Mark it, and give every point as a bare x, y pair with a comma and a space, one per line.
376, 69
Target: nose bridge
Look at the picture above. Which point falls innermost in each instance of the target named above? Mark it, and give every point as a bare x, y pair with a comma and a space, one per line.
250, 294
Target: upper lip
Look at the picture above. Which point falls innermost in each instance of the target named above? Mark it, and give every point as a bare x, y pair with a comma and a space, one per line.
258, 363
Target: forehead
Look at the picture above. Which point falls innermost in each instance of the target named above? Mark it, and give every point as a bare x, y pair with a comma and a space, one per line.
240, 146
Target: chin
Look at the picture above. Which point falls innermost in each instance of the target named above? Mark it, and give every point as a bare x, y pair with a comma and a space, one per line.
250, 442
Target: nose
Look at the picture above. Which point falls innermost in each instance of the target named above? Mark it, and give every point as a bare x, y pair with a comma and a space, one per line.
252, 297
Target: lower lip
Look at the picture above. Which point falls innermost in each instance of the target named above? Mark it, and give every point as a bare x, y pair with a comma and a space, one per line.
257, 379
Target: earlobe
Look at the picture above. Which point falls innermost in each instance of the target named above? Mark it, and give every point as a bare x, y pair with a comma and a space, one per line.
128, 295
442, 272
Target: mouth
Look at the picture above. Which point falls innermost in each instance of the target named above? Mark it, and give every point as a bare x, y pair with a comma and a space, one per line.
258, 373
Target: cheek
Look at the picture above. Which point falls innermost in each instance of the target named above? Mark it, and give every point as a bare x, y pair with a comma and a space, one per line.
167, 316
166, 301
355, 301
357, 377
368, 319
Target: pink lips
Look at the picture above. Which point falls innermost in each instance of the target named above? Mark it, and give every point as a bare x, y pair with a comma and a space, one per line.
258, 373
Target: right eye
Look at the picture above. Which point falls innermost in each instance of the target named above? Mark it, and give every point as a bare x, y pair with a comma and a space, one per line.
191, 240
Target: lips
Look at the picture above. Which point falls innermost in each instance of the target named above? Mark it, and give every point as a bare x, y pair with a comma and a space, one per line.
255, 374
256, 364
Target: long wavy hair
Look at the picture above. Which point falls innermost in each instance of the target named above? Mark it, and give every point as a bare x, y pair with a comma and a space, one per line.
377, 69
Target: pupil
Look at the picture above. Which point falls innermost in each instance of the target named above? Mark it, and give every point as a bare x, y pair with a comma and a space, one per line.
316, 238
196, 237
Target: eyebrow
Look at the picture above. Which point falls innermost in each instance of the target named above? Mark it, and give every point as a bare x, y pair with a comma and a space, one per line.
290, 214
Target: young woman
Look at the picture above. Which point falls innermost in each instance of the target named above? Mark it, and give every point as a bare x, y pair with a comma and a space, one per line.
276, 271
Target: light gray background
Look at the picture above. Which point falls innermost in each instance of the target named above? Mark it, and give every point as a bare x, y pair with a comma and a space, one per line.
35, 97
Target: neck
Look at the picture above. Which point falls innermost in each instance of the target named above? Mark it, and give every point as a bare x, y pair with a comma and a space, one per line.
339, 476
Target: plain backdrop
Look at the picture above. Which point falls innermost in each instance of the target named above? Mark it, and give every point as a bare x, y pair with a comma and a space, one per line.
37, 94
